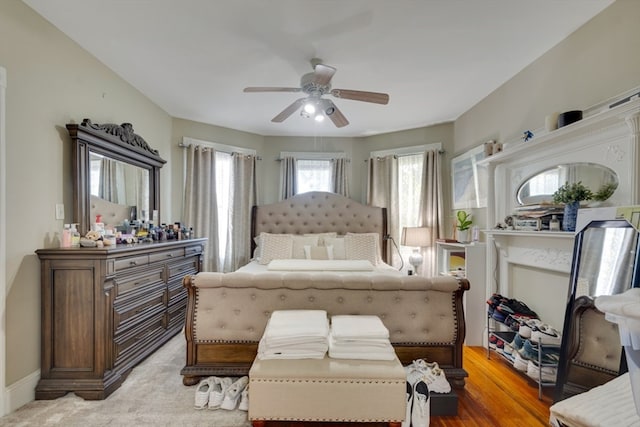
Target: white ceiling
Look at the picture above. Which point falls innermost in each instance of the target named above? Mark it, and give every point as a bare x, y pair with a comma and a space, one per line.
435, 58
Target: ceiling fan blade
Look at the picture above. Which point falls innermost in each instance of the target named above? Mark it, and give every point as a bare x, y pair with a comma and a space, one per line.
334, 114
288, 111
271, 89
322, 74
358, 95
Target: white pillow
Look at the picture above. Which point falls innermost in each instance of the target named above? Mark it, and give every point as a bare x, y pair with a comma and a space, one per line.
362, 246
338, 247
275, 246
322, 236
299, 243
318, 252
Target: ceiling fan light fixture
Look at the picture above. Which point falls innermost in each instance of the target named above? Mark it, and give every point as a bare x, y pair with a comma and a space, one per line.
329, 111
319, 117
309, 108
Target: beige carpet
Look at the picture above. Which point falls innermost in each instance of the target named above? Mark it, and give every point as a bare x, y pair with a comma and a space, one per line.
153, 394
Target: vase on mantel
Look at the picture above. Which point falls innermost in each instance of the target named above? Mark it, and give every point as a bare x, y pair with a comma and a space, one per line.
570, 215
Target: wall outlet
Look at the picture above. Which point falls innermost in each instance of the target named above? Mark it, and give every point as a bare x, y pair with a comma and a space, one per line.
59, 211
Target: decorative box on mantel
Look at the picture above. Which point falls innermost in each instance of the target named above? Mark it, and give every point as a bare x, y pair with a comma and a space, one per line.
534, 266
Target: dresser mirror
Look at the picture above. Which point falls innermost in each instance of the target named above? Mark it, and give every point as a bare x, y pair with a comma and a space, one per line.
605, 262
541, 186
115, 165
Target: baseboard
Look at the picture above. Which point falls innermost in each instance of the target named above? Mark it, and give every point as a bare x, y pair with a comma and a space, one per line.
21, 392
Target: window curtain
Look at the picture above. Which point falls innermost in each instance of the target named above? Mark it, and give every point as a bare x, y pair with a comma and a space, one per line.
382, 191
431, 208
288, 172
340, 176
200, 206
110, 174
243, 194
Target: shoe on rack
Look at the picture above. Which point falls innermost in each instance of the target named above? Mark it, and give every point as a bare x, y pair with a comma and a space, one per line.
517, 342
219, 387
437, 381
232, 396
547, 374
407, 416
244, 399
499, 316
494, 301
202, 393
421, 410
520, 363
528, 327
546, 335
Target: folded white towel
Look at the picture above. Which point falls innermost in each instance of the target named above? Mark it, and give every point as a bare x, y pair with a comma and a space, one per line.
297, 323
337, 354
356, 346
358, 326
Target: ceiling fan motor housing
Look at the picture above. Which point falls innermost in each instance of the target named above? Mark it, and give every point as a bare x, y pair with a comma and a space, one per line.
308, 85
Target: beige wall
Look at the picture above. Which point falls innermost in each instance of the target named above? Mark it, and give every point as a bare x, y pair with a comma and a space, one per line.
51, 81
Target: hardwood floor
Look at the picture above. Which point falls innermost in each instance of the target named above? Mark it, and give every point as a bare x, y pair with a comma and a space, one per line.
495, 395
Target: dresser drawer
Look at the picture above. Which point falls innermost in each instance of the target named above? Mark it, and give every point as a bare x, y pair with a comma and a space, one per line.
177, 313
166, 255
121, 264
194, 250
182, 268
133, 311
138, 283
135, 343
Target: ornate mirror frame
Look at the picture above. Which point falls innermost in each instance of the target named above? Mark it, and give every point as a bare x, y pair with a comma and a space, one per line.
118, 142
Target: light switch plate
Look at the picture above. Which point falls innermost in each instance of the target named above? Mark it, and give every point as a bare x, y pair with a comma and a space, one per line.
59, 211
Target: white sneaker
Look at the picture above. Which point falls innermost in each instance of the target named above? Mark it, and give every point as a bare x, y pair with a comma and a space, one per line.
202, 394
233, 393
519, 362
218, 389
244, 399
416, 370
437, 381
547, 335
407, 416
421, 411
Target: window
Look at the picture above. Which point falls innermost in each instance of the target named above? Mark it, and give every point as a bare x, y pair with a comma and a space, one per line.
409, 189
223, 188
313, 175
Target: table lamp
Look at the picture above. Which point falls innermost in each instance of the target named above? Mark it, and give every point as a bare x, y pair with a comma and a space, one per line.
418, 237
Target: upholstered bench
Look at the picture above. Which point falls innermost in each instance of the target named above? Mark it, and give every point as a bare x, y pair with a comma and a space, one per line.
330, 390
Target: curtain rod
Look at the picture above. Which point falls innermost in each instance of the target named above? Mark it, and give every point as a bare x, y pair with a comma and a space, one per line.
279, 159
183, 145
395, 156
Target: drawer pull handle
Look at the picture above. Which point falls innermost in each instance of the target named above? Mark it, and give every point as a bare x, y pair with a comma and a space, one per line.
141, 282
133, 263
169, 255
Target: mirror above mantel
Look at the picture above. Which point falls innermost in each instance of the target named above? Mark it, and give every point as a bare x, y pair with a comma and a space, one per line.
114, 165
540, 187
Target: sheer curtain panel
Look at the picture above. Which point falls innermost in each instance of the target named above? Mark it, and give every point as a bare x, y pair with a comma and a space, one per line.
288, 177
340, 176
243, 196
431, 208
382, 191
200, 206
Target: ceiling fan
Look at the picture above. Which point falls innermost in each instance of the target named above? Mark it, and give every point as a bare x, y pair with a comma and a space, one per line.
315, 85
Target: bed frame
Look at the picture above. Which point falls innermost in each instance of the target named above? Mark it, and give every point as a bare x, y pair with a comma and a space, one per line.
226, 313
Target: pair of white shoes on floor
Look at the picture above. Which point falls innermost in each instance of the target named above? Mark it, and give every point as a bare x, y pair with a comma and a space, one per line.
223, 393
430, 373
418, 405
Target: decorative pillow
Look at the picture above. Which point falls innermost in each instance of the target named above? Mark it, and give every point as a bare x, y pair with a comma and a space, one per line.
318, 252
299, 243
275, 246
338, 247
362, 246
322, 236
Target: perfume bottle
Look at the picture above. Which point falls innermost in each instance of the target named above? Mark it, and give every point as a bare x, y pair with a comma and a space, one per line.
554, 224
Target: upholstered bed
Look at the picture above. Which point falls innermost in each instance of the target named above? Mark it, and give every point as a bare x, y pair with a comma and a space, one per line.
227, 312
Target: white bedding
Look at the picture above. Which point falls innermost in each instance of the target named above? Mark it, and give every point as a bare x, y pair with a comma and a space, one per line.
254, 267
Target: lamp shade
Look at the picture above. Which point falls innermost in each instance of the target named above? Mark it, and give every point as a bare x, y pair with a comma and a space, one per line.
416, 236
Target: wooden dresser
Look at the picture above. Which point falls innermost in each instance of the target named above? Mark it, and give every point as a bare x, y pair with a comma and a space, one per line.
105, 310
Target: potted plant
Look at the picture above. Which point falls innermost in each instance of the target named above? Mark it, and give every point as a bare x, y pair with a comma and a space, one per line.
571, 195
605, 191
463, 224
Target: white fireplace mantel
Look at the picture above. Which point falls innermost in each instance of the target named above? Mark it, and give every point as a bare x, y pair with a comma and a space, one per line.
534, 266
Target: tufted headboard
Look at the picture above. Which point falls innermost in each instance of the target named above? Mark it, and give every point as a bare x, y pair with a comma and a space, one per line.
112, 213
319, 212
